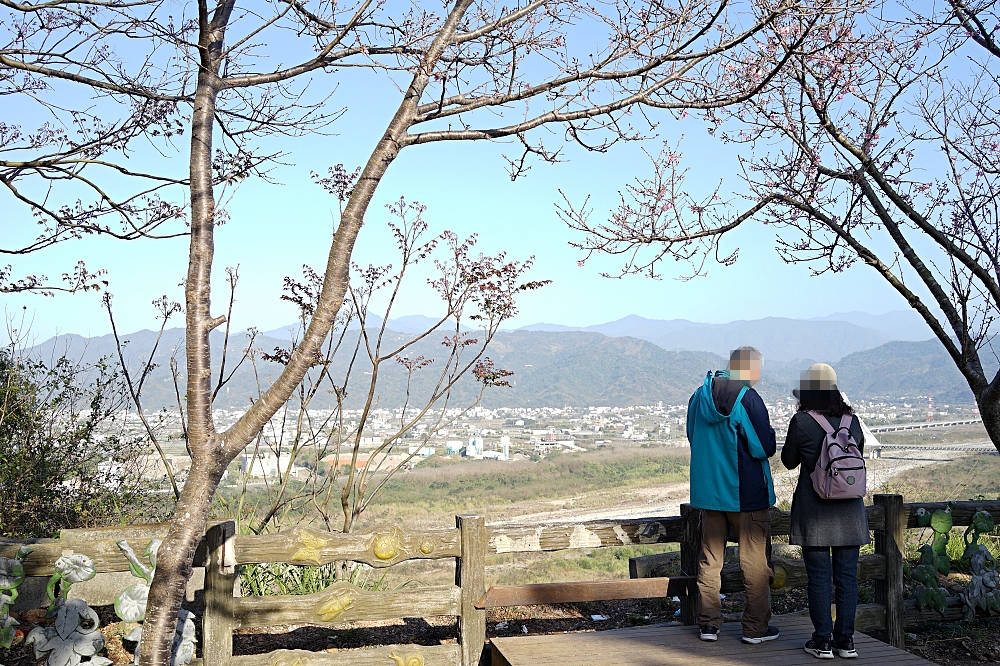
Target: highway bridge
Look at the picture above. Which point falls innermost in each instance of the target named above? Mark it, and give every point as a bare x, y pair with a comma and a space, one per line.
924, 425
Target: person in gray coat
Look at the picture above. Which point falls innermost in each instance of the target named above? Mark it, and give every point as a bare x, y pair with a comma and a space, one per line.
825, 527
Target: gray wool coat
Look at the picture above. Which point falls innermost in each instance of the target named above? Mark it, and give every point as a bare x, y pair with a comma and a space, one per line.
817, 521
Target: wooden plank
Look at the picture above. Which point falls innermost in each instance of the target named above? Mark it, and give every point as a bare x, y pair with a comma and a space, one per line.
601, 533
641, 653
629, 650
138, 532
592, 534
690, 552
219, 621
961, 515
378, 548
598, 590
889, 590
728, 647
343, 602
136, 535
781, 521
652, 566
791, 573
496, 657
680, 645
867, 618
385, 655
470, 576
107, 556
954, 611
660, 645
99, 544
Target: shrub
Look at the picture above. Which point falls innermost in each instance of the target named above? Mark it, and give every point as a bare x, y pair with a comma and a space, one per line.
65, 460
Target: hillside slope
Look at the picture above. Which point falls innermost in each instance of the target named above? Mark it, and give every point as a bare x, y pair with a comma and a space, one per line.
553, 369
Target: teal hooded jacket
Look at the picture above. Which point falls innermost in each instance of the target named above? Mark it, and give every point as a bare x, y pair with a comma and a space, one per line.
715, 441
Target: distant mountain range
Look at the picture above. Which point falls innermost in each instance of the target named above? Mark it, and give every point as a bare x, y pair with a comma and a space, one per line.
618, 366
412, 324
779, 339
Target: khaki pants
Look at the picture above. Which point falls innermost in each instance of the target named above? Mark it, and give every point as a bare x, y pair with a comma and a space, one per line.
752, 530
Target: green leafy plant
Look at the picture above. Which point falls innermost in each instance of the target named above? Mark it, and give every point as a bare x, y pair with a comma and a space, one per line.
279, 578
130, 605
74, 635
66, 458
11, 576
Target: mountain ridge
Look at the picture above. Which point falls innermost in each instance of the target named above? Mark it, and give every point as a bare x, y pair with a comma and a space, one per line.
551, 368
778, 338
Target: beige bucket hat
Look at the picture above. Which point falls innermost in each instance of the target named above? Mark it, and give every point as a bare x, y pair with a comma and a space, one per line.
816, 382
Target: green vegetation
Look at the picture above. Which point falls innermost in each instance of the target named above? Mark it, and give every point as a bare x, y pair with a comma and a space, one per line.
64, 459
595, 564
937, 436
280, 578
476, 485
973, 477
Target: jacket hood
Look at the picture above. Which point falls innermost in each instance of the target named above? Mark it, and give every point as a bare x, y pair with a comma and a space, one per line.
703, 404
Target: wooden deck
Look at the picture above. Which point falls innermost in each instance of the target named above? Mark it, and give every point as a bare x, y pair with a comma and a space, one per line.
680, 646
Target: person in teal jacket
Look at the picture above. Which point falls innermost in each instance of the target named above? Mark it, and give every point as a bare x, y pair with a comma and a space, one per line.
731, 440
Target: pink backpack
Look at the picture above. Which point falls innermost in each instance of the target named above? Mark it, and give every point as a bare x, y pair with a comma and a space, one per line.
840, 470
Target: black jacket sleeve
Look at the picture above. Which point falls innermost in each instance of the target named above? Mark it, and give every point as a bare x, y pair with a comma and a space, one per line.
754, 406
791, 456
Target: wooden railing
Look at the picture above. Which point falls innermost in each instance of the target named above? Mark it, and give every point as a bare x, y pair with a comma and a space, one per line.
469, 543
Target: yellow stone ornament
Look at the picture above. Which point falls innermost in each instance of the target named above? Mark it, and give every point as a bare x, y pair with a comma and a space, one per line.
412, 660
298, 661
386, 546
329, 610
309, 552
780, 576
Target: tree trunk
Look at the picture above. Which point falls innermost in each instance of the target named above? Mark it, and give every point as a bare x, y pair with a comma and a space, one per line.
187, 525
211, 452
173, 563
989, 409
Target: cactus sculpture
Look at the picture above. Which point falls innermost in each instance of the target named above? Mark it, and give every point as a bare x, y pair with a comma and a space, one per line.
981, 522
74, 634
983, 591
934, 560
130, 605
11, 576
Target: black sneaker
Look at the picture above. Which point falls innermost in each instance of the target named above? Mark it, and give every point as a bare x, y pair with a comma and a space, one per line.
770, 635
709, 633
821, 649
845, 649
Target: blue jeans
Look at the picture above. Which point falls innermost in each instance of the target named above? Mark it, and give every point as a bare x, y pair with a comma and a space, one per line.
845, 577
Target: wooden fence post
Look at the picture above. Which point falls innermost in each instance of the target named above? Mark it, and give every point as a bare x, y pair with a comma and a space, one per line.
690, 550
220, 580
470, 575
889, 543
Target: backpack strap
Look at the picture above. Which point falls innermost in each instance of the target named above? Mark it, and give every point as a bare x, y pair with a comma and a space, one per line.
821, 420
845, 422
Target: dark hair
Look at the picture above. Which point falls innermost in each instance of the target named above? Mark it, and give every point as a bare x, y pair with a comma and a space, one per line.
830, 403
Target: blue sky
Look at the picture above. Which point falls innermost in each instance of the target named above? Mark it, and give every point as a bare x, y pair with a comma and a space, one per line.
274, 229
